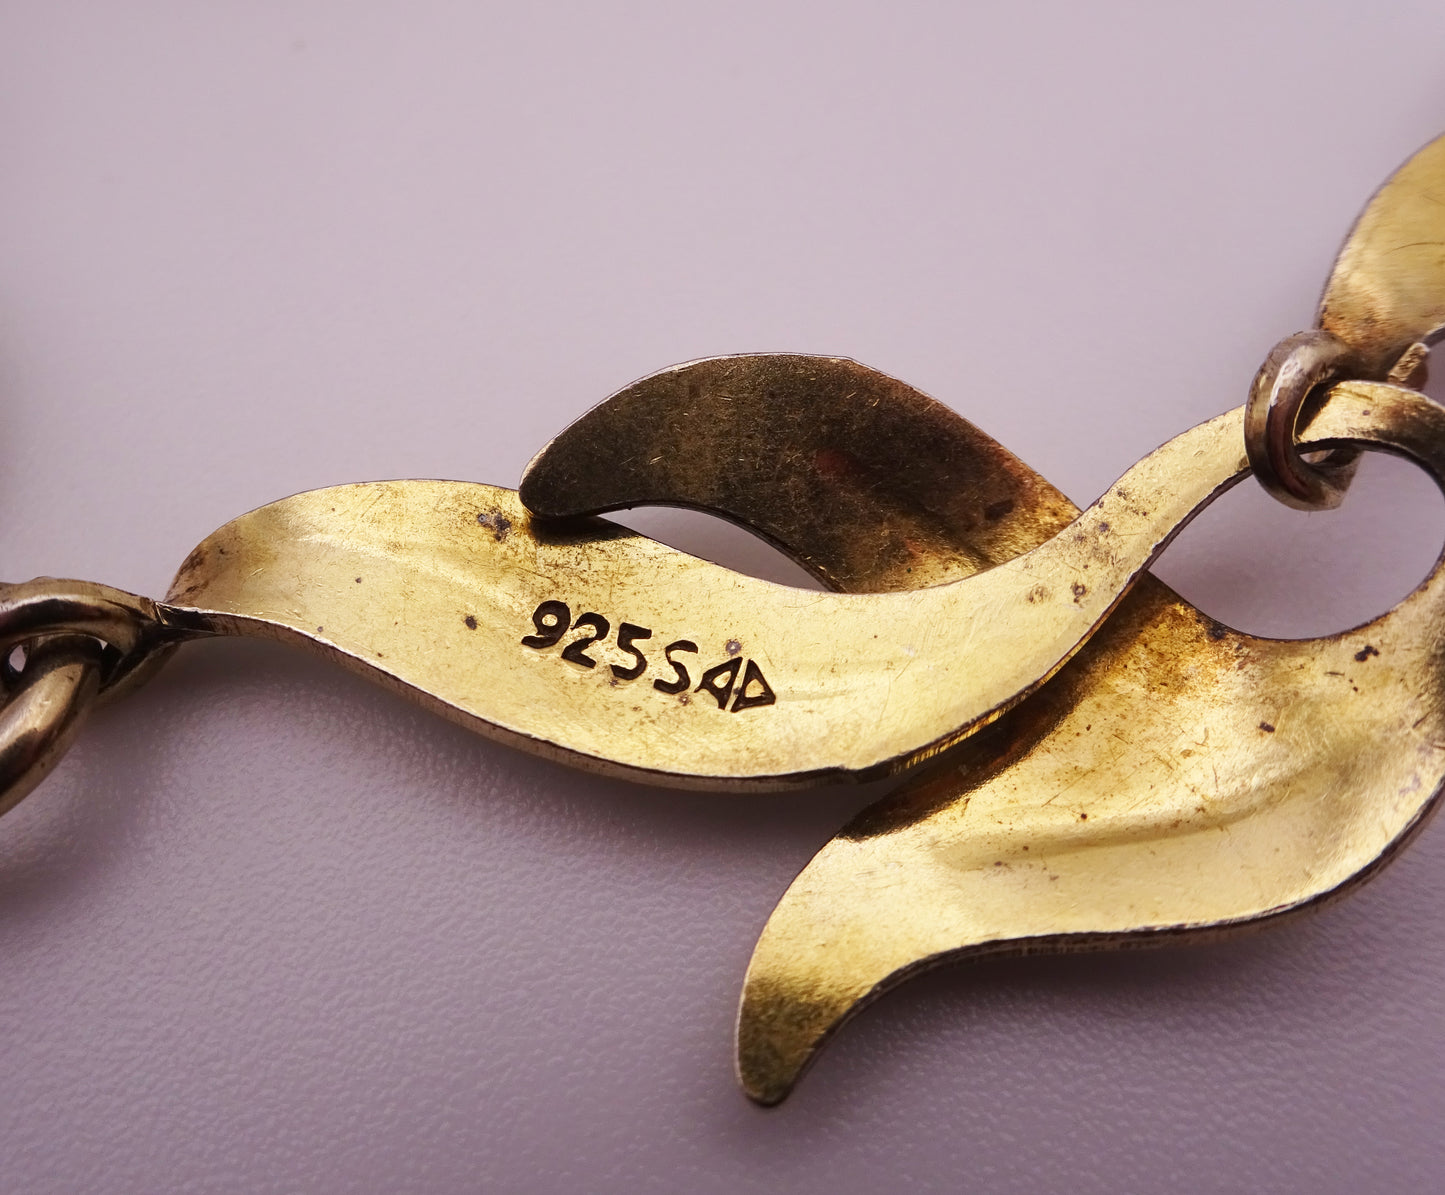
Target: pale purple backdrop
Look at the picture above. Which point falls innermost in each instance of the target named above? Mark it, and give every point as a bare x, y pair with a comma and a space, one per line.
270, 929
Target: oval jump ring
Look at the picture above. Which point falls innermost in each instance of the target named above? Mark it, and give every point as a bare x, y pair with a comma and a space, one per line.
1296, 366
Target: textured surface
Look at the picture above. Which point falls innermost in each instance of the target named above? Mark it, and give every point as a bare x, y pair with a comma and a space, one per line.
270, 929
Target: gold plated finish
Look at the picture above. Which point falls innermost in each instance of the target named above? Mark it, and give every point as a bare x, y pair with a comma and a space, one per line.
46, 707
1175, 776
1387, 290
1168, 776
712, 678
1383, 305
128, 625
868, 483
81, 641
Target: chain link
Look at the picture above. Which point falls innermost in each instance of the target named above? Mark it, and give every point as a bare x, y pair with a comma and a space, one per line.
1298, 366
1295, 367
81, 643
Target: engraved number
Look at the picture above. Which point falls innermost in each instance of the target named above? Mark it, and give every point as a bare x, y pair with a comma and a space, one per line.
736, 684
576, 651
627, 634
551, 620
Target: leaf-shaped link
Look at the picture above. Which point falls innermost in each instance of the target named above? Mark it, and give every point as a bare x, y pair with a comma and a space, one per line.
1176, 776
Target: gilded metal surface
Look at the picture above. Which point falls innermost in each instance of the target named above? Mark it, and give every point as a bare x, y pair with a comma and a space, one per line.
45, 707
1175, 776
127, 624
1383, 305
82, 642
614, 652
1387, 290
868, 483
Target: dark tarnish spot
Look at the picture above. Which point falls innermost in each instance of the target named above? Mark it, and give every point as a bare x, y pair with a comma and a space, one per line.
497, 523
358, 580
193, 561
1079, 590
996, 510
1266, 727
471, 621
1038, 593
1083, 817
1217, 630
734, 647
1365, 653
1103, 528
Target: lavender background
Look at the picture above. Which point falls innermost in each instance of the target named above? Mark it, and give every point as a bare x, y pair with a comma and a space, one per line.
270, 929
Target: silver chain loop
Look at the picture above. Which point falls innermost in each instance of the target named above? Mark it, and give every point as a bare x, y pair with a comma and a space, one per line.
1295, 367
1298, 366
